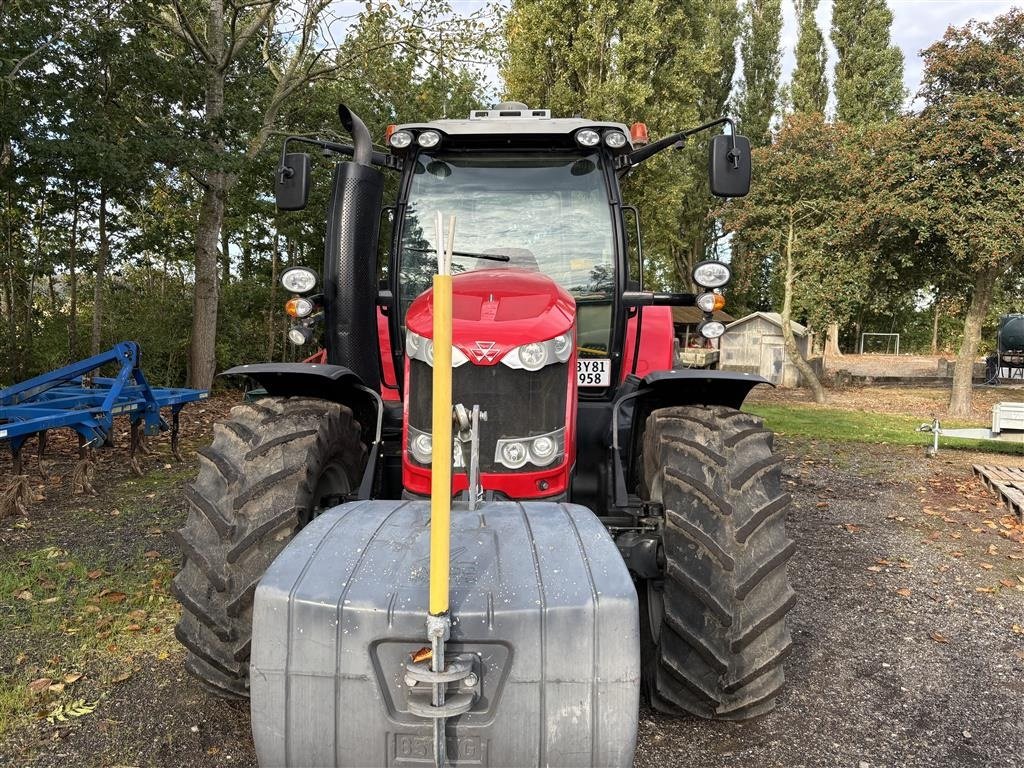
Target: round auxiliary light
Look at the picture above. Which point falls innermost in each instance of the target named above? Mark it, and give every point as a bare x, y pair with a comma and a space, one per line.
299, 335
423, 448
298, 280
533, 356
706, 302
400, 139
428, 351
543, 449
615, 139
711, 274
514, 454
428, 139
562, 346
712, 329
298, 307
588, 137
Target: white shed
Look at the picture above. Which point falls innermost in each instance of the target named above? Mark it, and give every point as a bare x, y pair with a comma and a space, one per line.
754, 344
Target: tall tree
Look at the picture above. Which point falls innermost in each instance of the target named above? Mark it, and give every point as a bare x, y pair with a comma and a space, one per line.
758, 94
809, 89
869, 70
961, 184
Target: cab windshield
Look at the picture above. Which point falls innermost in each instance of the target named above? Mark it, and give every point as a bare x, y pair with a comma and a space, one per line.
548, 214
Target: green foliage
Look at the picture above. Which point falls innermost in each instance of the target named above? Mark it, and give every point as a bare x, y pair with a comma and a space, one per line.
667, 64
758, 95
809, 89
869, 71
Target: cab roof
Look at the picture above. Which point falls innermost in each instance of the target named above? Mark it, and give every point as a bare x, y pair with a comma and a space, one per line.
513, 119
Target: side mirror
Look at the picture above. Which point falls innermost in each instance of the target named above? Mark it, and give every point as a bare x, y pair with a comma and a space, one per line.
729, 167
291, 185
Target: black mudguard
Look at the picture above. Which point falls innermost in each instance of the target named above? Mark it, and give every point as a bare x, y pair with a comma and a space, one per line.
327, 382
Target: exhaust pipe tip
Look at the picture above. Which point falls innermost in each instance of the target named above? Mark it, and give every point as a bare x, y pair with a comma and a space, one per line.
362, 145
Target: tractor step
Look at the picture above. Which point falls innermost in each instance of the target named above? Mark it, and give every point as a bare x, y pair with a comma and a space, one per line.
543, 655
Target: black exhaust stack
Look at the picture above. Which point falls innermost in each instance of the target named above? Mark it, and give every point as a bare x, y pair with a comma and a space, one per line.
350, 258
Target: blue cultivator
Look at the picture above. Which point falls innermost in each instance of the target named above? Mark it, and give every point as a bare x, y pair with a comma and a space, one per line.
72, 397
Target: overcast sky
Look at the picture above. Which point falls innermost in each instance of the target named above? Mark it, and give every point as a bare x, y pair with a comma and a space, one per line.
916, 25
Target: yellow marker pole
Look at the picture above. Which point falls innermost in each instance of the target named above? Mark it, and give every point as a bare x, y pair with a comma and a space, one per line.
441, 463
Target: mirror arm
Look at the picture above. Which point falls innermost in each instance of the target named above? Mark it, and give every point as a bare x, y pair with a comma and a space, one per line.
639, 155
658, 299
381, 159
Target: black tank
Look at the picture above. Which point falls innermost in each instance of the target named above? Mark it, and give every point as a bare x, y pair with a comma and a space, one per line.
1010, 336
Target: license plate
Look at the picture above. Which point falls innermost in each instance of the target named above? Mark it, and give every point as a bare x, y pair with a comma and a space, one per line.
594, 372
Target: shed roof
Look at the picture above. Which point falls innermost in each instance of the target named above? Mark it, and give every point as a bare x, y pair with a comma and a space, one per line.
694, 316
772, 317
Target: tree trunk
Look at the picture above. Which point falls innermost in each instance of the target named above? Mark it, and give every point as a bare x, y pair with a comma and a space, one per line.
792, 351
102, 256
832, 341
73, 286
225, 255
202, 350
935, 327
271, 325
963, 370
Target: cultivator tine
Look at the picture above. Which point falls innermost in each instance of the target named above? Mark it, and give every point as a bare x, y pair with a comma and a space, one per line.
41, 451
133, 445
16, 457
175, 448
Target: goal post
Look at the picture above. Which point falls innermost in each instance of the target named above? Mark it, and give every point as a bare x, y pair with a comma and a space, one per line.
890, 336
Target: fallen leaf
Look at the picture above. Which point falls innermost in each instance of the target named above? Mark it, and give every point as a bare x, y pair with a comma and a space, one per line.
73, 677
939, 638
113, 597
903, 592
1007, 583
40, 685
151, 554
49, 601
23, 594
875, 568
985, 589
93, 575
57, 688
133, 628
120, 678
986, 566
851, 528
992, 549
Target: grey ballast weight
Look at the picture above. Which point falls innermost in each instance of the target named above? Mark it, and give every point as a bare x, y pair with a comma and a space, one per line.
542, 606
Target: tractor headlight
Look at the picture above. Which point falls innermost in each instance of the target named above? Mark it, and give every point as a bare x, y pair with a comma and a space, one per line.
711, 274
400, 139
588, 137
421, 445
299, 334
298, 307
615, 139
428, 139
712, 329
299, 280
421, 348
537, 354
540, 450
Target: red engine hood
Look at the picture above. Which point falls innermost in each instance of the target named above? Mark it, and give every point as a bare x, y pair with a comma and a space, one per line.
495, 310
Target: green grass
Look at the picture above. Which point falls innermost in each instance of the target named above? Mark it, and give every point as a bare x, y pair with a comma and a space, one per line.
64, 614
857, 426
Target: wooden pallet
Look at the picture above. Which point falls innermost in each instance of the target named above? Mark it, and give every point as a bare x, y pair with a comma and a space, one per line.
1007, 483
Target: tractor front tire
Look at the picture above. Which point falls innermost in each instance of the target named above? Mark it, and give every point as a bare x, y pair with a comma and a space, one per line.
273, 465
714, 629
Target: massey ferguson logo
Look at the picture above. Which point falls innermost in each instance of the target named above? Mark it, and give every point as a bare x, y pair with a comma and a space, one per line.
485, 351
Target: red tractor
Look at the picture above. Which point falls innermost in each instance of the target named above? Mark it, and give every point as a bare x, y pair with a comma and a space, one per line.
569, 362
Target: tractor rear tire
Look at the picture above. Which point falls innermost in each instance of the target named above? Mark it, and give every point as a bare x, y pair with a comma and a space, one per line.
714, 629
273, 465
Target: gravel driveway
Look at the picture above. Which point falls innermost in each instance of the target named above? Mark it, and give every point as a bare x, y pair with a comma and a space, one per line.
898, 658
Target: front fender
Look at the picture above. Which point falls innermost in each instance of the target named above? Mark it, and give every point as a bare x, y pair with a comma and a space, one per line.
326, 382
698, 386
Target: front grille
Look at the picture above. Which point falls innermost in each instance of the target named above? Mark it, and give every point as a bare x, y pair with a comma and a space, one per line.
518, 403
